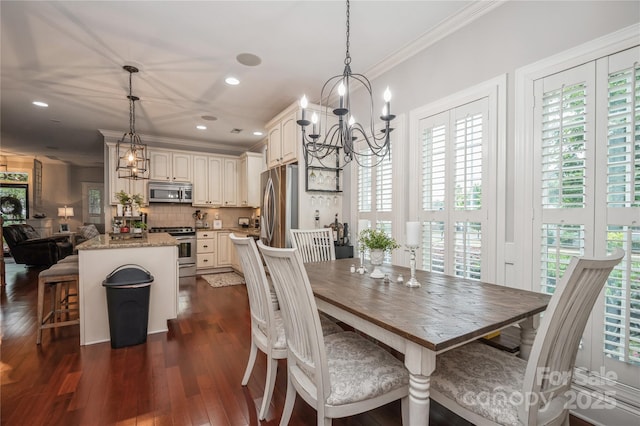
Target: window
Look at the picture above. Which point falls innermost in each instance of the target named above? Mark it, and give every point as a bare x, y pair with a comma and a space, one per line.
454, 163
375, 189
14, 197
375, 194
586, 195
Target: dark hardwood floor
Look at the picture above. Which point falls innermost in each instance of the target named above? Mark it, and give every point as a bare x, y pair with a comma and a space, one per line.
188, 376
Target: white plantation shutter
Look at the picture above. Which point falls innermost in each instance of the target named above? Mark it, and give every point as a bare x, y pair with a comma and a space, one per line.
563, 146
468, 162
364, 186
623, 149
433, 160
384, 185
586, 196
375, 194
621, 316
622, 298
454, 168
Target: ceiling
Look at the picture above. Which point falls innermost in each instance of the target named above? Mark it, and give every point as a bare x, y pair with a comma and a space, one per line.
70, 55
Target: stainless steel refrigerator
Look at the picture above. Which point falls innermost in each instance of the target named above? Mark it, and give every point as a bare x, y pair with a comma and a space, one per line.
279, 206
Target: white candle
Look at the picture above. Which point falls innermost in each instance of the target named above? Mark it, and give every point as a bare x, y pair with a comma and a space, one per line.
413, 234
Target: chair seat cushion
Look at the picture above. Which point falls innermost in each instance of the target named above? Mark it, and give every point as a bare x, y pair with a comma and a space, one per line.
482, 379
59, 270
328, 327
360, 369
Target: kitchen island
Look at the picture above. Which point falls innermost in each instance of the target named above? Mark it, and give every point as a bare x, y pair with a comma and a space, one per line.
98, 257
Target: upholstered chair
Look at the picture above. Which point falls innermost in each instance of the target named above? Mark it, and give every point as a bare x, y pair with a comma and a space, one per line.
339, 375
488, 386
315, 245
267, 329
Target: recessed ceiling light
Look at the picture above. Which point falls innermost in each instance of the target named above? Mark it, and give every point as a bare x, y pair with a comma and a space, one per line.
232, 81
257, 133
249, 59
40, 104
201, 127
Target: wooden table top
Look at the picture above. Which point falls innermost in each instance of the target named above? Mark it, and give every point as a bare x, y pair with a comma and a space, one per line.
442, 313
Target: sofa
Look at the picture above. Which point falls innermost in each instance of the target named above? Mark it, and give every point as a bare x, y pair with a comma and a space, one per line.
28, 248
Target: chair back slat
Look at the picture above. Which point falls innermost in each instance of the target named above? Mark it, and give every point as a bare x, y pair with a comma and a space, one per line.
550, 367
260, 304
305, 342
315, 245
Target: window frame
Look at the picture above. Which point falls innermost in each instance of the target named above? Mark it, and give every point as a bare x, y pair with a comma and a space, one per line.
495, 200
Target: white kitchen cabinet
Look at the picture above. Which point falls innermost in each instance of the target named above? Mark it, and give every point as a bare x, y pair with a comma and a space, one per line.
130, 186
205, 249
282, 138
224, 249
230, 183
208, 180
249, 170
170, 166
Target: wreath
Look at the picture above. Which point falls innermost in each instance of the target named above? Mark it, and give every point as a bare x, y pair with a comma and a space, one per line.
10, 205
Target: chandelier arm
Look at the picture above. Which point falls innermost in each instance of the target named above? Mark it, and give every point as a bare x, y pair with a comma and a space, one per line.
371, 142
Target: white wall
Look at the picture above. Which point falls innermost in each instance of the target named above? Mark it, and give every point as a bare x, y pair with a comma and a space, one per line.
508, 37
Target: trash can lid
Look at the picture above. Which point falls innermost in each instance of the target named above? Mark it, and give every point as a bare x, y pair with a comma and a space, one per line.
127, 275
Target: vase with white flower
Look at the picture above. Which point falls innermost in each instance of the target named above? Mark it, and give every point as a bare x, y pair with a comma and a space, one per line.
378, 242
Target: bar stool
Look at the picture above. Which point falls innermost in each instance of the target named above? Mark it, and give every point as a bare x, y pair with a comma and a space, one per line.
70, 259
58, 278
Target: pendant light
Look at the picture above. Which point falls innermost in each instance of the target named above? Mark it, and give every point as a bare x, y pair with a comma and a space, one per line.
133, 156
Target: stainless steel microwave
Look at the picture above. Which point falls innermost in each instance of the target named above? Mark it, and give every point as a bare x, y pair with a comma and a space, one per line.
170, 192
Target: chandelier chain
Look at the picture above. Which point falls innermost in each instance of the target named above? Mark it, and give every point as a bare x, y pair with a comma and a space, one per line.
347, 59
132, 107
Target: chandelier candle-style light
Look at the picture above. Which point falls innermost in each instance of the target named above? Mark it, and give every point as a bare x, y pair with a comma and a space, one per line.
337, 143
133, 160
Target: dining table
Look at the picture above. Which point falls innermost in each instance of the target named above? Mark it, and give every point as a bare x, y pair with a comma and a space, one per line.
422, 322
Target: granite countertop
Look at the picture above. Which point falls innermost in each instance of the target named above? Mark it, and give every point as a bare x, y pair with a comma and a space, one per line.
238, 230
103, 242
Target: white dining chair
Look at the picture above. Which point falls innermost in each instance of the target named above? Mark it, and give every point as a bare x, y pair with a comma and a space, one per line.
315, 245
267, 329
339, 375
490, 387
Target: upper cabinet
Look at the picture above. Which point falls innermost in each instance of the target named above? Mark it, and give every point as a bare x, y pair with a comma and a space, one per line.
215, 181
170, 166
249, 169
283, 137
116, 184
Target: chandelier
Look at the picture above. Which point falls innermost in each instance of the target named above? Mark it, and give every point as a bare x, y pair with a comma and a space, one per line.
336, 147
133, 160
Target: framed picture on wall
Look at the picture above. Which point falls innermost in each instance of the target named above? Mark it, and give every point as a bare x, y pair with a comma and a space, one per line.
64, 227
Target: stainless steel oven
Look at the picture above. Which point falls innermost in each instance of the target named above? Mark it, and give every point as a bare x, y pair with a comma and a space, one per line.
186, 237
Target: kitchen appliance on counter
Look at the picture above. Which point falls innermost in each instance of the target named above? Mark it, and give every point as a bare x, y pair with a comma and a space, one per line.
279, 206
170, 192
186, 237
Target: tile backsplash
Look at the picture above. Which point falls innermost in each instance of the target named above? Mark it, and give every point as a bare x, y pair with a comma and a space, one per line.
162, 215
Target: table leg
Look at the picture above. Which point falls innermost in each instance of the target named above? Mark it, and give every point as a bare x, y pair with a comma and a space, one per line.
420, 362
528, 335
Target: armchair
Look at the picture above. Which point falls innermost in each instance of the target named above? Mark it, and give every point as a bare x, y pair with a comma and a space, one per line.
28, 248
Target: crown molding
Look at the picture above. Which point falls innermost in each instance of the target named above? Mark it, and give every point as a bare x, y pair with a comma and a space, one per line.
450, 25
112, 136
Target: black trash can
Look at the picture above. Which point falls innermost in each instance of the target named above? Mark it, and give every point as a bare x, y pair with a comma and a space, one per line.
128, 288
